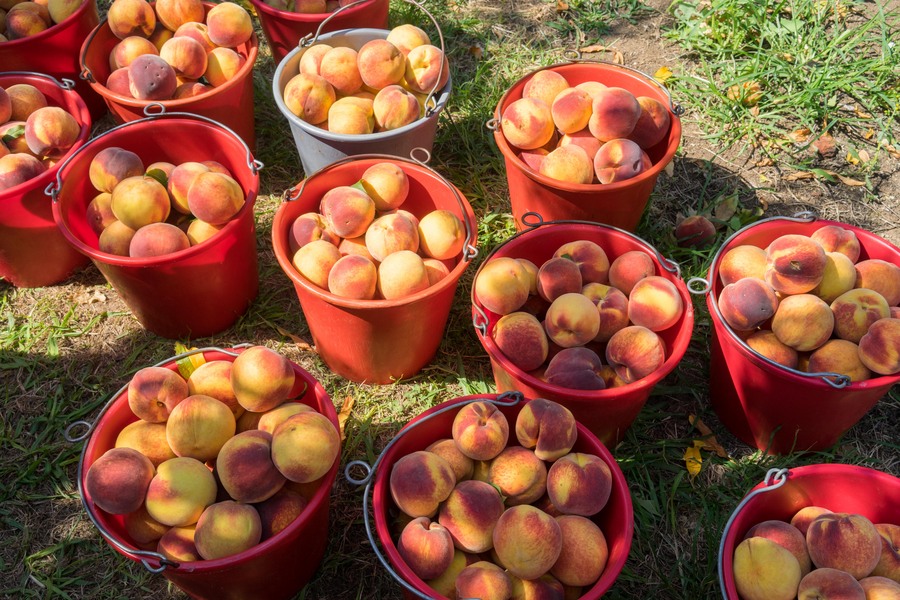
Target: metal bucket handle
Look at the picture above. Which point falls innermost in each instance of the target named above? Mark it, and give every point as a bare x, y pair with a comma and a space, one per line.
430, 103
143, 556
701, 286
533, 220
469, 250
66, 84
775, 478
86, 73
504, 399
54, 187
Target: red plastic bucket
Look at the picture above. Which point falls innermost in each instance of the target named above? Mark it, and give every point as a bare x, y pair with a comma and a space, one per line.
619, 204
606, 413
375, 341
33, 252
748, 391
283, 29
54, 52
616, 520
839, 488
195, 292
276, 568
230, 103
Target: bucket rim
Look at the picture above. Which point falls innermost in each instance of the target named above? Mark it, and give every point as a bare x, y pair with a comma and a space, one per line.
675, 353
279, 242
183, 120
53, 29
320, 496
822, 380
442, 96
169, 104
310, 18
509, 153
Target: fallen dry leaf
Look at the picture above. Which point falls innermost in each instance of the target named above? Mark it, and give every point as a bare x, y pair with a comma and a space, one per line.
301, 344
618, 57
346, 408
864, 156
848, 181
663, 74
189, 364
92, 298
799, 136
862, 114
710, 442
561, 6
693, 460
797, 176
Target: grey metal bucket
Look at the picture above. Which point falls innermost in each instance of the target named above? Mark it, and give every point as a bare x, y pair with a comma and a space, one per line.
318, 147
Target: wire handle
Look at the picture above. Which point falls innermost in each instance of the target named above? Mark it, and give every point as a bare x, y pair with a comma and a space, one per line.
504, 399
775, 478
86, 73
66, 84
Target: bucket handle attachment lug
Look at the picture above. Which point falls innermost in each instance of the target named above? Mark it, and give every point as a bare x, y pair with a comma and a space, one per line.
504, 399
479, 318
699, 286
775, 478
493, 124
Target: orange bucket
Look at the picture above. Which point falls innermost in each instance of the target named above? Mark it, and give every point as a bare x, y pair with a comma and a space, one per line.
230, 104
748, 391
375, 341
619, 204
33, 252
194, 292
283, 29
607, 413
274, 569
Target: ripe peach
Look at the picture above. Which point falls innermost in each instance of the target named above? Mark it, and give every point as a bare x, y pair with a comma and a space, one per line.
353, 276
834, 238
180, 490
590, 257
99, 212
655, 303
143, 529
546, 426
426, 547
229, 24
534, 158
502, 285
26, 21
830, 583
160, 35
634, 352
855, 311
483, 580
400, 274
527, 123
406, 37
612, 306
198, 31
157, 239
557, 276
198, 426
116, 238
575, 368
879, 348
765, 570
245, 469
186, 55
441, 234
839, 277
462, 465
355, 245
470, 512
480, 430
437, 270
615, 113
175, 13
394, 107
419, 482
18, 168
747, 303
445, 583
261, 378
311, 58
154, 392
131, 17
569, 163
12, 134
215, 197
652, 124
222, 65
213, 378
147, 438
742, 261
889, 564
767, 343
839, 356
24, 99
391, 233
380, 63
695, 231
848, 542
179, 183
881, 276
279, 511
804, 322
5, 104
795, 264
527, 541
880, 588
619, 159
426, 69
386, 184
803, 517
579, 484
582, 138
786, 535
571, 110
521, 339
124, 53
309, 96
117, 481
339, 67
310, 227
519, 475
315, 261
151, 78
348, 211
227, 528
305, 446
199, 231
177, 544
545, 85
112, 165
272, 418
572, 320
584, 551
140, 200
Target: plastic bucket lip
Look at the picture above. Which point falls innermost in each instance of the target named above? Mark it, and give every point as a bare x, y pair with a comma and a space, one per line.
52, 30
513, 153
321, 494
806, 483
382, 498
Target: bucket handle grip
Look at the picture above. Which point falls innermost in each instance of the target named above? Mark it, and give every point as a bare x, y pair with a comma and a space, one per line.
430, 102
53, 188
504, 399
775, 478
469, 250
86, 73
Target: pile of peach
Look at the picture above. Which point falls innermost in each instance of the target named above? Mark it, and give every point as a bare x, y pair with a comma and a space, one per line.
215, 463
21, 19
483, 519
362, 245
819, 554
586, 133
308, 6
34, 135
576, 307
174, 49
162, 209
809, 303
379, 88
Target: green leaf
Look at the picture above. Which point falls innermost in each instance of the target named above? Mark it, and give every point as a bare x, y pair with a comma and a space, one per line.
822, 174
159, 175
13, 134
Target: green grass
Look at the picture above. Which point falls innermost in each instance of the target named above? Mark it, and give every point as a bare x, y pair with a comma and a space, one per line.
62, 353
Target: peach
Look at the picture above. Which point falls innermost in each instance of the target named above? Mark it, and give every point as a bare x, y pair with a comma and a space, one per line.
215, 197
569, 163
213, 378
199, 231
582, 138
803, 517
470, 512
747, 303
309, 96
786, 535
652, 124
353, 276
881, 276
795, 264
804, 322
199, 426
116, 238
310, 227
521, 339
445, 583
426, 69
198, 31
628, 268
386, 184
186, 55
527, 124
151, 78
844, 541
180, 490
889, 563
635, 352
519, 475
245, 469
131, 17
351, 115
229, 24
60, 10
160, 170
160, 35
438, 269
112, 165
380, 63
311, 58
742, 261
356, 246
227, 528
117, 481
590, 257
177, 544
446, 448
5, 103
584, 551
419, 482
441, 234
157, 239
391, 233
615, 113
829, 583
272, 418
426, 547
527, 541
839, 277
143, 529
879, 348
655, 303
834, 238
765, 570
140, 200
261, 378
124, 53
305, 446
179, 183
394, 107
222, 65
154, 392
545, 85
765, 342
279, 511
579, 484
339, 68
880, 588
533, 159
532, 270
175, 13
855, 311
575, 368
502, 285
619, 159
557, 276
406, 37
612, 306
38, 9
348, 211
572, 320
315, 261
12, 134
571, 110
483, 580
147, 438
695, 231
546, 426
401, 274
51, 131
480, 430
24, 99
839, 356
18, 168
